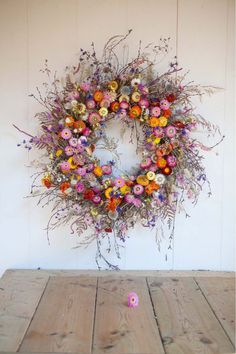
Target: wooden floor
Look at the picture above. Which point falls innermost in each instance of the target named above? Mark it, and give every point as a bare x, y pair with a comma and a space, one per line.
86, 312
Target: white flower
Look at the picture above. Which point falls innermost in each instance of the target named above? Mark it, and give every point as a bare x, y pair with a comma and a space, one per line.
160, 179
74, 103
135, 82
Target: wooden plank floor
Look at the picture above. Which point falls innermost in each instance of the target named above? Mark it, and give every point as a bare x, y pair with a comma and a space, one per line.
86, 312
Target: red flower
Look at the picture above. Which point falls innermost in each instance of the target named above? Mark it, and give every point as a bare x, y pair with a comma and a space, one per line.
171, 97
89, 194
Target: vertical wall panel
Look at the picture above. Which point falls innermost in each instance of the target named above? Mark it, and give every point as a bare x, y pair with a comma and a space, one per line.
202, 27
34, 30
14, 221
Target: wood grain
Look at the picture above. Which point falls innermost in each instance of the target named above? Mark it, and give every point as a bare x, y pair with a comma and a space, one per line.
119, 329
187, 323
64, 318
221, 297
19, 297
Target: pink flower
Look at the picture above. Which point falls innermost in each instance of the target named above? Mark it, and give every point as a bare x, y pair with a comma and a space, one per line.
159, 132
124, 105
106, 169
171, 160
94, 118
80, 187
81, 171
138, 189
146, 163
164, 104
65, 166
143, 103
170, 131
73, 142
90, 167
119, 182
132, 300
129, 198
69, 151
66, 134
137, 202
155, 111
85, 86
90, 104
96, 199
86, 131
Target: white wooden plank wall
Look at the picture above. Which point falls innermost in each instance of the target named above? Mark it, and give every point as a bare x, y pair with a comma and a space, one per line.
202, 35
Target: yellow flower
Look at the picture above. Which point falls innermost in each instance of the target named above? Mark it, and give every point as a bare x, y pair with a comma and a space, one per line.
81, 108
125, 189
108, 192
136, 96
162, 121
58, 152
94, 211
72, 165
113, 85
103, 111
157, 141
124, 98
151, 175
142, 180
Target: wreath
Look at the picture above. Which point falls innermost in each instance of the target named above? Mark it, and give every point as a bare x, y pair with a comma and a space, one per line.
155, 108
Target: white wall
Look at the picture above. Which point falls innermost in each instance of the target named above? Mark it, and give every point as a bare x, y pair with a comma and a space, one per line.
202, 35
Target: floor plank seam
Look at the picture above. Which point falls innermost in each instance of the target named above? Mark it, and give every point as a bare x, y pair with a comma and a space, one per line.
18, 349
94, 318
155, 315
203, 294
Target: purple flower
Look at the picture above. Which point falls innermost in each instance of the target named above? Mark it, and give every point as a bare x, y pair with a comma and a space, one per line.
80, 187
65, 166
81, 171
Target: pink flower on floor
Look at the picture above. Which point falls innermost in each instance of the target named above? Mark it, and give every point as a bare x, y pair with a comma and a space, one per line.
132, 300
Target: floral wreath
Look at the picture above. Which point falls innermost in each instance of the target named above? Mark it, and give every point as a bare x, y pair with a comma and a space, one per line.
157, 110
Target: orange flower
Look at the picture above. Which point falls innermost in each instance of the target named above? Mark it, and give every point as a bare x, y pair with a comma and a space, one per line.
80, 125
69, 121
135, 112
161, 162
98, 171
113, 203
142, 180
64, 186
151, 187
98, 96
115, 106
46, 181
167, 113
154, 122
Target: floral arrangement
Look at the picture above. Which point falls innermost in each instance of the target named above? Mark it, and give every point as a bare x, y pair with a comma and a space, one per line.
157, 110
